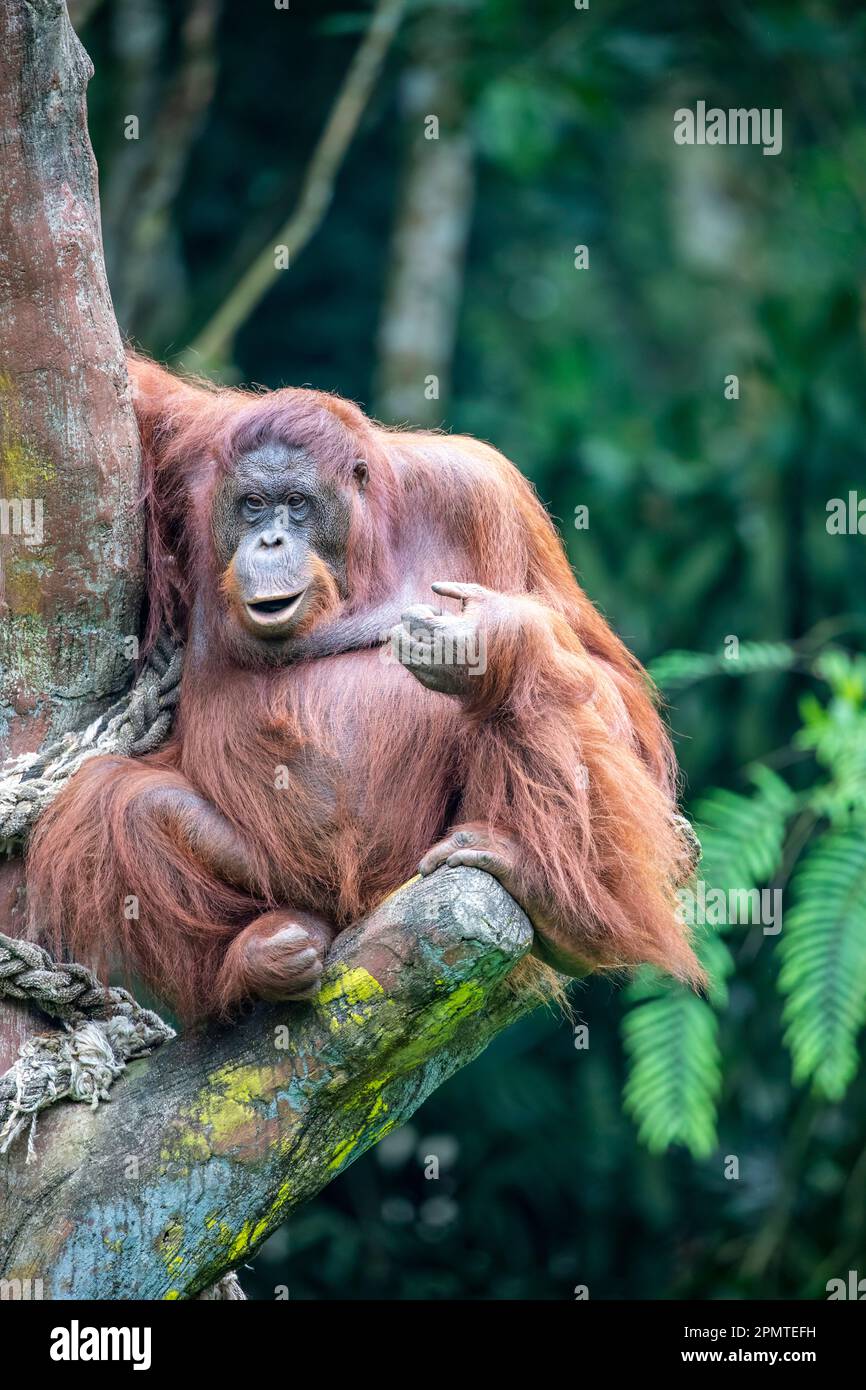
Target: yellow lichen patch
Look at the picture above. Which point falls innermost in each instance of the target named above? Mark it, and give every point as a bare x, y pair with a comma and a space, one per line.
247, 1237
378, 1105
465, 999
348, 996
171, 1295
23, 473
377, 1102
416, 878
343, 1150
23, 587
356, 1144
225, 1234
352, 985
443, 1016
280, 1202
439, 1023
226, 1114
374, 1105
237, 1243
196, 1148
168, 1247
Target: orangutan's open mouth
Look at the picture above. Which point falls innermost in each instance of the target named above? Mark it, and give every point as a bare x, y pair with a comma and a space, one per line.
274, 610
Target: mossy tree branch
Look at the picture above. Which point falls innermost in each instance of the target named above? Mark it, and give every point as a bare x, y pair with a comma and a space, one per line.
212, 1142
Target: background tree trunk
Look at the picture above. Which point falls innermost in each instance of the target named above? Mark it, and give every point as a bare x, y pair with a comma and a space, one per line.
68, 439
422, 302
145, 267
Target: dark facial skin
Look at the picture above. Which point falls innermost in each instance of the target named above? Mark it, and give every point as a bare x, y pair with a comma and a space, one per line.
281, 533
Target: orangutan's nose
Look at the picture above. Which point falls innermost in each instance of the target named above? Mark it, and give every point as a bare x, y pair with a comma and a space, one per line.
272, 539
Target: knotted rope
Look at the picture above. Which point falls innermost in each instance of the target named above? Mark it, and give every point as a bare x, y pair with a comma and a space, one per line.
137, 723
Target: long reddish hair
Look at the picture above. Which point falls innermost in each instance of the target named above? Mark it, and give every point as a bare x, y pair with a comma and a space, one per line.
561, 745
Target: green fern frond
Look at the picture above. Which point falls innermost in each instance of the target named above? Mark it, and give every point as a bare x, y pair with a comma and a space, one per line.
678, 668
670, 1036
836, 733
674, 1062
755, 657
823, 974
742, 837
844, 672
675, 1071
715, 956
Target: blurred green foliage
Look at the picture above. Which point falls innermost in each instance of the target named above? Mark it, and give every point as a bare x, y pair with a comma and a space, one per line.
707, 521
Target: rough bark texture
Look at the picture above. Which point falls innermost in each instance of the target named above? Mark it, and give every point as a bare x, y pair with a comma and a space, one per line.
68, 433
68, 440
211, 1143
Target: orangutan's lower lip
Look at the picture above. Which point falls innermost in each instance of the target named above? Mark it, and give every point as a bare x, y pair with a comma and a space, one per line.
271, 611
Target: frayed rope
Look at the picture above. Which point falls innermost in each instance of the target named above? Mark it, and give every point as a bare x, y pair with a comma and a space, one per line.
77, 1064
103, 1029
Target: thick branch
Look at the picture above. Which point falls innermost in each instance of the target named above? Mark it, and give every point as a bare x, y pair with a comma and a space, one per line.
211, 1143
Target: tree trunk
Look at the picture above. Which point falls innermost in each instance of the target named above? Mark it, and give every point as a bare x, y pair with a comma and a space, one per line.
71, 550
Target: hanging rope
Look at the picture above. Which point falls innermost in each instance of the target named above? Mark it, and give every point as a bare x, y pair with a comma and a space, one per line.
138, 723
